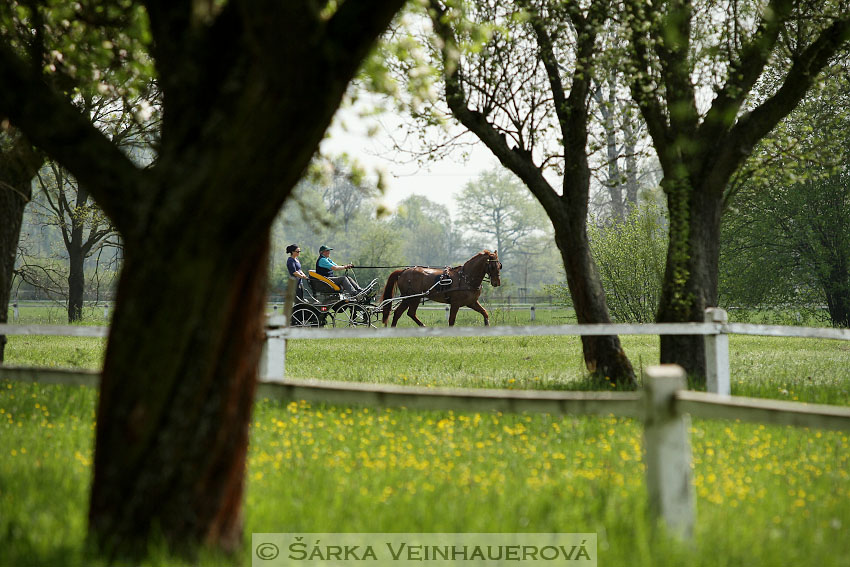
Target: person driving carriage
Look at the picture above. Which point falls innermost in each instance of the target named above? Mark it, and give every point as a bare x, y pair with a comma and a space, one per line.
326, 267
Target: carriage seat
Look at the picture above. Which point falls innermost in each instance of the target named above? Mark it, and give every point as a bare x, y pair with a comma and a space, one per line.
321, 284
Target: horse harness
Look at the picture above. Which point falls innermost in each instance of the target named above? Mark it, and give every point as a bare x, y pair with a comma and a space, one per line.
445, 280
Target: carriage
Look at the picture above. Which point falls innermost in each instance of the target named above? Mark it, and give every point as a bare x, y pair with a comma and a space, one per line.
325, 303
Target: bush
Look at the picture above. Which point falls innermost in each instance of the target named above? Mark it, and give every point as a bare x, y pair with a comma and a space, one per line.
630, 256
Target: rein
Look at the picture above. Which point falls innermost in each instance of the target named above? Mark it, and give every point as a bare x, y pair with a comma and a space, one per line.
407, 266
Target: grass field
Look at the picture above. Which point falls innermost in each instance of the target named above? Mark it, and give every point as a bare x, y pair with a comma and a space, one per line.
765, 495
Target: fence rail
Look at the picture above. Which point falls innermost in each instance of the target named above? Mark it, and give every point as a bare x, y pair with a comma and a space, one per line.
758, 410
54, 330
715, 330
58, 376
278, 330
623, 404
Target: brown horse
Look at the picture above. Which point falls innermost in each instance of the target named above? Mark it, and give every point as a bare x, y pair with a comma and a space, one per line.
459, 287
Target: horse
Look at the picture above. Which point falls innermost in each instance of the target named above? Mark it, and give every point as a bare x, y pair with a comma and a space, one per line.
459, 287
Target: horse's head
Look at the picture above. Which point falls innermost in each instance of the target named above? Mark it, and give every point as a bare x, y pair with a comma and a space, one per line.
494, 266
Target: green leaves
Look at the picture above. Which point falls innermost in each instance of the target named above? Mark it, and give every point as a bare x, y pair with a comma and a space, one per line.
87, 47
789, 209
630, 257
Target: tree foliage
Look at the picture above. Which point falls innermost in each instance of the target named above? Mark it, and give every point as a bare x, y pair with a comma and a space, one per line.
789, 210
711, 79
86, 50
248, 90
428, 233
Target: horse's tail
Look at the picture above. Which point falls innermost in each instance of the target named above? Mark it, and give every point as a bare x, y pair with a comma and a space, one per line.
388, 293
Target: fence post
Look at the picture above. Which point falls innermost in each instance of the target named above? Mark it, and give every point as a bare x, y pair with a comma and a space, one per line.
15, 313
667, 451
717, 354
532, 313
273, 358
447, 313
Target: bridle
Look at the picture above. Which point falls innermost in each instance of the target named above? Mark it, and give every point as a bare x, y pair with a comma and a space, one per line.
492, 270
493, 267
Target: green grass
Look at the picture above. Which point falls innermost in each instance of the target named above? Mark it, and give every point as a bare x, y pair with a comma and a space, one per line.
55, 352
765, 495
809, 370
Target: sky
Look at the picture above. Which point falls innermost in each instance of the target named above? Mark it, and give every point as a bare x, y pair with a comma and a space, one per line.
438, 180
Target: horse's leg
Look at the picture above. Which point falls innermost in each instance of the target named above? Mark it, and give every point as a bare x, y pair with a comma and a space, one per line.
478, 307
453, 313
412, 312
399, 311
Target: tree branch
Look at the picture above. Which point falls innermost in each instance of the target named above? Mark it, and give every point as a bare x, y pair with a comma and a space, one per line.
744, 73
550, 63
53, 124
518, 159
673, 50
169, 22
741, 139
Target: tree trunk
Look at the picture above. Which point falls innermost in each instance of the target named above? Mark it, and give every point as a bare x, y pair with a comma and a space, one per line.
175, 408
18, 165
77, 249
690, 278
603, 355
615, 181
837, 291
12, 205
76, 282
630, 149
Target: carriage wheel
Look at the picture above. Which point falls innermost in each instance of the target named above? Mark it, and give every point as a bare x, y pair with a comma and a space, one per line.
304, 317
352, 315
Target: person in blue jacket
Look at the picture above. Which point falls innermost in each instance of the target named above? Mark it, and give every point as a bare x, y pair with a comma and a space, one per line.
326, 267
294, 268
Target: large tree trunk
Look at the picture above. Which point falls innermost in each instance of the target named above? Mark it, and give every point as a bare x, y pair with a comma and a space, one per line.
690, 278
174, 408
248, 91
18, 165
568, 212
603, 355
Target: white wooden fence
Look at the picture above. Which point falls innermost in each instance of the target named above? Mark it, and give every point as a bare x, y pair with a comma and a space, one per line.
665, 406
715, 329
